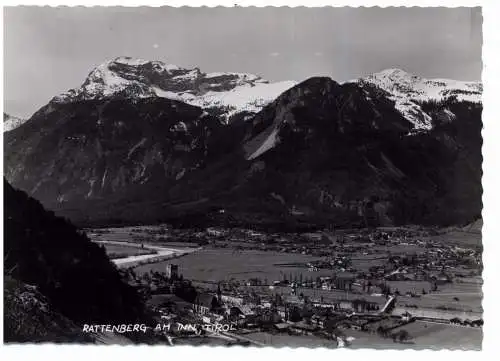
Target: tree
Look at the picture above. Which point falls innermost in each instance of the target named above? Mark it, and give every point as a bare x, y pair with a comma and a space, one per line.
403, 335
331, 329
278, 300
381, 331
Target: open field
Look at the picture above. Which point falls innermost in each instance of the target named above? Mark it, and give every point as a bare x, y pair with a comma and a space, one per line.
423, 335
427, 334
138, 235
285, 340
459, 238
409, 286
224, 264
469, 297
437, 314
373, 341
117, 251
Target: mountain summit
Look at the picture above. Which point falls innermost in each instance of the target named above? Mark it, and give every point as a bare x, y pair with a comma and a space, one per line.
224, 94
409, 92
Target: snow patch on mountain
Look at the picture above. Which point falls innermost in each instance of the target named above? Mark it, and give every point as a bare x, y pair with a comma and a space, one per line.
409, 91
249, 98
269, 143
399, 82
10, 122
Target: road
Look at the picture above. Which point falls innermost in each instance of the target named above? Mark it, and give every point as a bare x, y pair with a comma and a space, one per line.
162, 253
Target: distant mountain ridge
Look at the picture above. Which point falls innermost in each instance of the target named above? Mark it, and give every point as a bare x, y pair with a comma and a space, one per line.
225, 94
409, 92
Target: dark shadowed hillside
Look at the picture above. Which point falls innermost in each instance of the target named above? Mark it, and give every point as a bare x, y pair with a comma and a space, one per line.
74, 274
28, 317
92, 149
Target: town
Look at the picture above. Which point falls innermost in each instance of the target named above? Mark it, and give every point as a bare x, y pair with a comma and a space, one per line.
349, 288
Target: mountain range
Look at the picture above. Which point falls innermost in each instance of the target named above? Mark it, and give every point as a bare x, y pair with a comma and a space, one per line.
143, 141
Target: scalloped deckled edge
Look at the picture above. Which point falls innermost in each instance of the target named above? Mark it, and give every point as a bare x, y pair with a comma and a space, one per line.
249, 3
491, 199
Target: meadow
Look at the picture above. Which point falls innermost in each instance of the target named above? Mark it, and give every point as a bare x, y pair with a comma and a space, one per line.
117, 251
225, 264
423, 335
427, 334
455, 296
285, 340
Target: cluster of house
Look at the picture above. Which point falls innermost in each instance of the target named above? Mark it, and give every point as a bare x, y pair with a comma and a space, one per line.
246, 309
290, 316
341, 262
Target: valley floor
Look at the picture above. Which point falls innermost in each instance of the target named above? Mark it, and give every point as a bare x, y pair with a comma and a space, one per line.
435, 279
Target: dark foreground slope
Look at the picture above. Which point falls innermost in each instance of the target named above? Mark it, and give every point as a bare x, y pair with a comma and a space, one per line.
74, 274
29, 317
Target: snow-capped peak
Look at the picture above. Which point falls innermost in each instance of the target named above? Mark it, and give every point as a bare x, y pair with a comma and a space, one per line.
126, 60
127, 77
394, 73
420, 89
409, 92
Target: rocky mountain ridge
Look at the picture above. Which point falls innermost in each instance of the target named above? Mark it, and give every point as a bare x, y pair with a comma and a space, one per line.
224, 94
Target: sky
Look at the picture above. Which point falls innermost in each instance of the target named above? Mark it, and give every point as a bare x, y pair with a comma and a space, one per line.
50, 50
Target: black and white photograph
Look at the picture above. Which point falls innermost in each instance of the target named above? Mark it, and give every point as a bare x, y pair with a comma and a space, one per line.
243, 176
